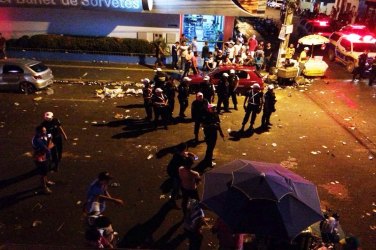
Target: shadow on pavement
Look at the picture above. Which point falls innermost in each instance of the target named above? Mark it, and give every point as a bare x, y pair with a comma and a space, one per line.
13, 199
19, 178
131, 106
141, 235
191, 143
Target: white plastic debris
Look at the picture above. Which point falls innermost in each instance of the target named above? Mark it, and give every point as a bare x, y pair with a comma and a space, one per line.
38, 98
274, 144
50, 91
16, 104
149, 157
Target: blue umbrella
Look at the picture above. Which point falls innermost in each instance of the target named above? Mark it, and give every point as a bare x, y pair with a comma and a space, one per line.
262, 198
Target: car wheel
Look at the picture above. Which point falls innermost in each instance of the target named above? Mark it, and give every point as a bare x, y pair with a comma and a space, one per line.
331, 55
27, 88
350, 66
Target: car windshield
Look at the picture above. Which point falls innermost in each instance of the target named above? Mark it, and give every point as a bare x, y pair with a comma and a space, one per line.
361, 47
39, 67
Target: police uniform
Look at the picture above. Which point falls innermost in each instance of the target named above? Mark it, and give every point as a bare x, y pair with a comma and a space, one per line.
372, 77
170, 91
160, 105
359, 71
233, 85
211, 125
223, 91
197, 111
183, 95
269, 107
208, 90
148, 105
255, 101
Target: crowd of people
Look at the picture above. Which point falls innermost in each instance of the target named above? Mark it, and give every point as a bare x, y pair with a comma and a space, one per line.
235, 51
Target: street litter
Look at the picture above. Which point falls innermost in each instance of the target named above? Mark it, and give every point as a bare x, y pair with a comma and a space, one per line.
38, 98
115, 184
315, 152
274, 144
118, 116
370, 157
111, 93
61, 226
162, 196
244, 154
87, 156
94, 122
324, 146
49, 91
149, 157
78, 202
36, 223
75, 139
16, 104
138, 146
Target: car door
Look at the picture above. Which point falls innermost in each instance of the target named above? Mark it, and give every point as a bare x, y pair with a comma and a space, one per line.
343, 47
11, 75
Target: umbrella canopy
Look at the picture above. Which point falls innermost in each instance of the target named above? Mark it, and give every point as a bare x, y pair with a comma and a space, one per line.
261, 198
313, 40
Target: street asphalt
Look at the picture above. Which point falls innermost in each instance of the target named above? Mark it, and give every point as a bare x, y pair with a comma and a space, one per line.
325, 131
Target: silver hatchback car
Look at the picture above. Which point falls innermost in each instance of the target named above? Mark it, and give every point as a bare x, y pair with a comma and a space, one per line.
24, 75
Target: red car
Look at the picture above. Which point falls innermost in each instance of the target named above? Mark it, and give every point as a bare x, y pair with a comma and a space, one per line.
247, 77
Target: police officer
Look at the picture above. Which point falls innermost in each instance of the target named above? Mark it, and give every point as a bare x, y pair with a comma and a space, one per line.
183, 95
197, 111
372, 77
170, 91
252, 105
223, 91
362, 60
159, 79
233, 85
211, 125
147, 93
160, 105
207, 89
269, 107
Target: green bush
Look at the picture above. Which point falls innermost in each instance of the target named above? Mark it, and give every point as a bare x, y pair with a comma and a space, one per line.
87, 44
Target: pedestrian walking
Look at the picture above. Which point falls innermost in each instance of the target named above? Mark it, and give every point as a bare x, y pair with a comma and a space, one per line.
183, 95
195, 63
372, 76
98, 194
252, 105
198, 108
194, 44
211, 125
233, 80
160, 106
188, 61
223, 91
183, 50
207, 89
174, 54
42, 145
205, 54
269, 107
179, 158
194, 220
3, 43
359, 71
56, 132
189, 180
147, 93
158, 54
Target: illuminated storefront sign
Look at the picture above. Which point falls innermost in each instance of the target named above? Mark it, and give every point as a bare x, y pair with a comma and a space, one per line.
117, 5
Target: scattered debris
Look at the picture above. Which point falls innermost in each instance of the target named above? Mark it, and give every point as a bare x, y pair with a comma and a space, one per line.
78, 202
149, 157
274, 144
36, 223
38, 98
244, 154
50, 91
61, 226
16, 104
115, 184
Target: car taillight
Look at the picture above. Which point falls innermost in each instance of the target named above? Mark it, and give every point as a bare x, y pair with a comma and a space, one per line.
37, 77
